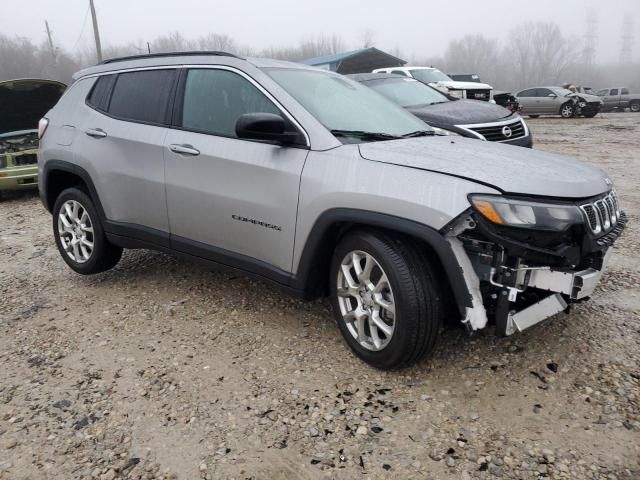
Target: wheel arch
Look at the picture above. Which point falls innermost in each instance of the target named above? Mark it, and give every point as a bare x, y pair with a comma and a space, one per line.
313, 267
59, 175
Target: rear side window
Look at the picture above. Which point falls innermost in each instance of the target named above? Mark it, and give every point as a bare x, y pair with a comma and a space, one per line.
528, 93
142, 96
215, 99
99, 95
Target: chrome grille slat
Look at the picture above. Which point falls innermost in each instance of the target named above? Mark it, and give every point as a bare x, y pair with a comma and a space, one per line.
494, 133
603, 214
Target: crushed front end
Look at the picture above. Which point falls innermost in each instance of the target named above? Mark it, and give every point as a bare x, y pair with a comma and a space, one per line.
18, 160
526, 259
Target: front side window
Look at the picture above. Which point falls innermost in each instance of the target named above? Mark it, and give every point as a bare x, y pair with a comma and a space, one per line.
407, 92
429, 76
625, 91
142, 96
544, 92
614, 91
215, 99
342, 104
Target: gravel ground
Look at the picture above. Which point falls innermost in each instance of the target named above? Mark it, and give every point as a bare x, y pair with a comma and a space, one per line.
160, 369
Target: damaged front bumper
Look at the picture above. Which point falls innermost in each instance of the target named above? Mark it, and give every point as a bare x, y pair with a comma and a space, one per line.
512, 287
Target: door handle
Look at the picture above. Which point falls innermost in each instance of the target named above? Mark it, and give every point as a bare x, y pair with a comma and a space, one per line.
184, 149
96, 132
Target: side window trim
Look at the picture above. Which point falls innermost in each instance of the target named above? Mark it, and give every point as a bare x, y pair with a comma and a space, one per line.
178, 104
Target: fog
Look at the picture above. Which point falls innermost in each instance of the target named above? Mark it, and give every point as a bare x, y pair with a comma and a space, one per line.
419, 32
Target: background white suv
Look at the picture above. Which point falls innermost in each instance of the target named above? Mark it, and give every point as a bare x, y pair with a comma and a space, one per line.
435, 78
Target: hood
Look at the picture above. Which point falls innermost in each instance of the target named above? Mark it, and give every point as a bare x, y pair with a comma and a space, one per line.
589, 98
463, 85
461, 112
510, 169
24, 102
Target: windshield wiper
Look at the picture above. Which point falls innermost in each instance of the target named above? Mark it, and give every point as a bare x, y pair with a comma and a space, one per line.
419, 133
364, 135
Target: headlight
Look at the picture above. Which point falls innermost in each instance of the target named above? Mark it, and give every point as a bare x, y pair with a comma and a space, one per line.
442, 131
524, 214
456, 93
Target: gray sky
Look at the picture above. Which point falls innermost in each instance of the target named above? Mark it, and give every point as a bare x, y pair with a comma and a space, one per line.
418, 27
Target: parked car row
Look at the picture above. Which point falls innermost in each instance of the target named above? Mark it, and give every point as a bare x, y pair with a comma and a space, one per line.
321, 185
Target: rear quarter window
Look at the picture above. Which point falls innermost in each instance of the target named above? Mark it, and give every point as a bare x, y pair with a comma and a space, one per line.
99, 95
142, 96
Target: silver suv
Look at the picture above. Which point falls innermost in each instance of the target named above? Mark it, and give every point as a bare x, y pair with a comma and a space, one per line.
314, 182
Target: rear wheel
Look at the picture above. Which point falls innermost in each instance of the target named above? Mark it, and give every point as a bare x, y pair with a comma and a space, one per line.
79, 234
567, 110
635, 107
385, 298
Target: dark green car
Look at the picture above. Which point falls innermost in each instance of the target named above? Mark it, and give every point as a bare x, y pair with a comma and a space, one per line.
22, 104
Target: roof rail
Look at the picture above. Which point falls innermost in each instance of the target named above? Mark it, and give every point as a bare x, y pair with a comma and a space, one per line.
169, 54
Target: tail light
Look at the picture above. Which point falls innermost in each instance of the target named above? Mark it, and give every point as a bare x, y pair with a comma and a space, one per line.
42, 127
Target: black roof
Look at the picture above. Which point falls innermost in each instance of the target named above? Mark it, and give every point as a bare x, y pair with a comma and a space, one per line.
365, 77
169, 54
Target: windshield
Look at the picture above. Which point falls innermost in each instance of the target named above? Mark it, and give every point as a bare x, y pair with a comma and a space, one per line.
429, 75
407, 92
562, 92
343, 105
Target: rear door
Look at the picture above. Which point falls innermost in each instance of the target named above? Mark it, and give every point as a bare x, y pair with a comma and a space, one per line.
230, 199
528, 100
121, 137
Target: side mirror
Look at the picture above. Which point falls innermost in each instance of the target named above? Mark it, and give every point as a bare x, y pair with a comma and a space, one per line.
266, 126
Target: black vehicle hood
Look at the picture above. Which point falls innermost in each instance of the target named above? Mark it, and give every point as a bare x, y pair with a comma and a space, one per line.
24, 102
461, 112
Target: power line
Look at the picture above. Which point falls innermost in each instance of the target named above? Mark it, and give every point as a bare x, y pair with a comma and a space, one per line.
84, 24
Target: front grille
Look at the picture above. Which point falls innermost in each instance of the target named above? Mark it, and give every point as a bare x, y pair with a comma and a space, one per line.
484, 95
602, 214
26, 159
501, 132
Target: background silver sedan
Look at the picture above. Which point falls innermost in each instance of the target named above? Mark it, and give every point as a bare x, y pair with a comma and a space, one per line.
547, 101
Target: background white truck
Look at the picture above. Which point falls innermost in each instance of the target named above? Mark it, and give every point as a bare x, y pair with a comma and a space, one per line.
444, 83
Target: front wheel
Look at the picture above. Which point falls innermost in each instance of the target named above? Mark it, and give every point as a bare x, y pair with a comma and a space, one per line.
567, 110
534, 116
79, 235
385, 298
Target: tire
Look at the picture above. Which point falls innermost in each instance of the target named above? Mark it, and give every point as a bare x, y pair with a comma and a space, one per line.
413, 292
74, 207
634, 107
567, 110
534, 116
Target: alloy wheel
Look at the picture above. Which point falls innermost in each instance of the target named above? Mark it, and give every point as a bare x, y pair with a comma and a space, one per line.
567, 111
366, 300
75, 230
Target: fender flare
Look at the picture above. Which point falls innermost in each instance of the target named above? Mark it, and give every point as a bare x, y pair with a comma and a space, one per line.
326, 222
63, 166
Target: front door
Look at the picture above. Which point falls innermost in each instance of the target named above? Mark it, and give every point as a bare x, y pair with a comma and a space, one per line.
229, 198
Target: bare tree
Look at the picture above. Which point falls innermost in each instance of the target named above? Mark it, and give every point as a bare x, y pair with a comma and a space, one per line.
539, 54
474, 54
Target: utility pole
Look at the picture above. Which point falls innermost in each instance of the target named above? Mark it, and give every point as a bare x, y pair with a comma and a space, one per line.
51, 47
626, 40
590, 38
96, 33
